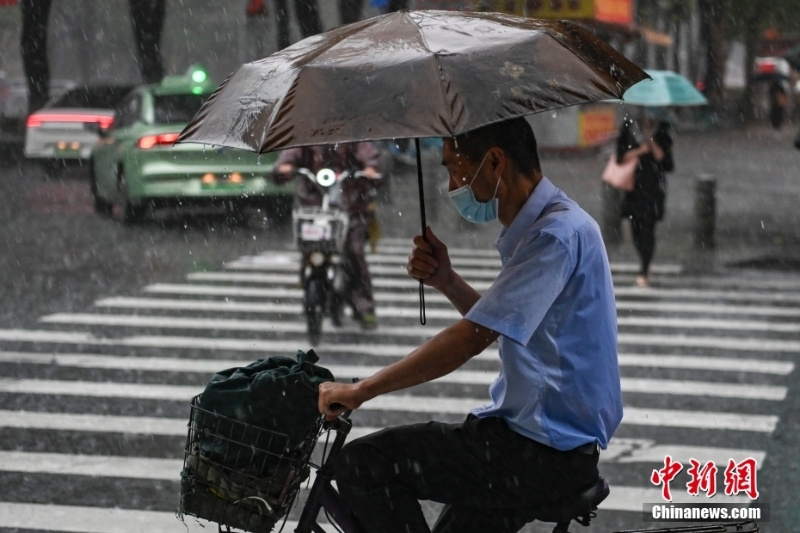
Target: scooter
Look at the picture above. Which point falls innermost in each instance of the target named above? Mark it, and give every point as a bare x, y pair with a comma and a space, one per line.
320, 232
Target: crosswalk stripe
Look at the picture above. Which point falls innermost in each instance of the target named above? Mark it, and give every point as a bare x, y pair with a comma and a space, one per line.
93, 423
626, 299
392, 402
408, 283
396, 266
293, 279
682, 453
170, 469
691, 341
167, 364
407, 312
422, 332
708, 309
620, 450
91, 465
80, 519
258, 345
459, 256
465, 377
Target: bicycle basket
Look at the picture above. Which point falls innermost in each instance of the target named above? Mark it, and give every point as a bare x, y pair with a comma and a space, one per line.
239, 475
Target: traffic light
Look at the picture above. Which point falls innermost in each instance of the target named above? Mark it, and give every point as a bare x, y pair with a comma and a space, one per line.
197, 74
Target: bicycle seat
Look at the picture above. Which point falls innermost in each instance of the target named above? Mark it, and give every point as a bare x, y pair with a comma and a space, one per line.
579, 508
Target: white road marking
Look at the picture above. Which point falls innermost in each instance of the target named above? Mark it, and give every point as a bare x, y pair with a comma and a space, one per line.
290, 346
293, 279
433, 313
91, 465
708, 309
408, 283
692, 341
422, 332
466, 377
632, 499
77, 519
459, 256
93, 423
709, 323
411, 296
623, 451
719, 364
391, 402
620, 450
682, 453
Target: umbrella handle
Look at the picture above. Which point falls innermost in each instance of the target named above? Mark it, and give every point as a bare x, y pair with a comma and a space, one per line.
422, 318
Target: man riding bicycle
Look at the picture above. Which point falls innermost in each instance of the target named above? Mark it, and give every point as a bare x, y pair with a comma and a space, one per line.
355, 200
557, 400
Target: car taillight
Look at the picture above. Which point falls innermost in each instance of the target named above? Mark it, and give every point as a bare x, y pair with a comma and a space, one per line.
37, 119
151, 141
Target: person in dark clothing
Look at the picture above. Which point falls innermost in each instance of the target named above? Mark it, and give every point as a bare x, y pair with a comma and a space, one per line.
644, 205
355, 199
777, 105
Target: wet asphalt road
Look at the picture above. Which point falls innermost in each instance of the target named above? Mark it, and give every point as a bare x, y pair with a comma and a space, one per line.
57, 256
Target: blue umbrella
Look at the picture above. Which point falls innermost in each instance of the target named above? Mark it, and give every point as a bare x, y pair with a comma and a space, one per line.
667, 88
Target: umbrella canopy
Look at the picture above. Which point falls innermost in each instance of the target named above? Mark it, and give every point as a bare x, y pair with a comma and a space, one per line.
665, 89
410, 74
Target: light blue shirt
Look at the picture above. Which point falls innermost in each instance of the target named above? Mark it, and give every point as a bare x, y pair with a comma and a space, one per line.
553, 305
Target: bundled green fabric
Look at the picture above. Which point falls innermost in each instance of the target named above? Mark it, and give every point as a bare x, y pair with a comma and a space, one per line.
278, 394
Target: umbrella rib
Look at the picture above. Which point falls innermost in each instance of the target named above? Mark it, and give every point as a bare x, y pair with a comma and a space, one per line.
440, 68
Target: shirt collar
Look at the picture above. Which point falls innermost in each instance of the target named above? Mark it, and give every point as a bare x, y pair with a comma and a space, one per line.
510, 237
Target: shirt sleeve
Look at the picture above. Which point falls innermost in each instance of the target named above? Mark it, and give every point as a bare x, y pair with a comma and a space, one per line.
526, 288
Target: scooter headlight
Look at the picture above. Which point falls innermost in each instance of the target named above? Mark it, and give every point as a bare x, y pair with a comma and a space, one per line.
316, 258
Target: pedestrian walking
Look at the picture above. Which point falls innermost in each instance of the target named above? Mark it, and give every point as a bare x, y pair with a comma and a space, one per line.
777, 105
648, 141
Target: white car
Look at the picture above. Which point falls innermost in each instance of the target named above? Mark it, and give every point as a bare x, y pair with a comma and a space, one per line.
66, 128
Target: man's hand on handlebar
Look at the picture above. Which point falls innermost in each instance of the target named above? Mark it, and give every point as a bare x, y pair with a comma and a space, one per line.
371, 173
336, 398
285, 169
429, 261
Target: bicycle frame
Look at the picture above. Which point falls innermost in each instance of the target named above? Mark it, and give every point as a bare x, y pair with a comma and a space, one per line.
322, 494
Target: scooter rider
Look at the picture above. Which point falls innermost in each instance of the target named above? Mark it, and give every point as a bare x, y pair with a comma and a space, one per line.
354, 199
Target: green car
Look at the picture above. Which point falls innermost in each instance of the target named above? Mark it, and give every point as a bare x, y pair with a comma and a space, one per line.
136, 166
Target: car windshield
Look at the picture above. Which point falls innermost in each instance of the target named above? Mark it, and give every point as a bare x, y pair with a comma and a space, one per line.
177, 108
92, 97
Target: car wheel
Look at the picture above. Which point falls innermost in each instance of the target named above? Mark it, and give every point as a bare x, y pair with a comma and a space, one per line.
101, 206
132, 212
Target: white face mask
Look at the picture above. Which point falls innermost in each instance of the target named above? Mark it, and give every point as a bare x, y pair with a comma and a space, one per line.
469, 207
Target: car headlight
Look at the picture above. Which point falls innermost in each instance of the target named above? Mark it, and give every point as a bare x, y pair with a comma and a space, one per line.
316, 258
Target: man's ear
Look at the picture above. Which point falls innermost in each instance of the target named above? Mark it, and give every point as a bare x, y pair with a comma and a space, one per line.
497, 161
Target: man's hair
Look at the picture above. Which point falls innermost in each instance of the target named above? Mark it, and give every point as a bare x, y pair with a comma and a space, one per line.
515, 137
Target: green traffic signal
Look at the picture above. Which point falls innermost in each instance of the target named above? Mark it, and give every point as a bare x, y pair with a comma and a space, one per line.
199, 76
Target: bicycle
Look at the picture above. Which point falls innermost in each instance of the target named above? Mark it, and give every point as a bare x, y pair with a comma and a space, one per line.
241, 499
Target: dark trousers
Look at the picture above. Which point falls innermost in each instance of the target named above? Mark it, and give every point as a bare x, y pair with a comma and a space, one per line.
644, 239
487, 475
358, 291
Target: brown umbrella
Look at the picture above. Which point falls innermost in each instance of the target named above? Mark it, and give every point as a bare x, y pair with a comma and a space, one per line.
410, 74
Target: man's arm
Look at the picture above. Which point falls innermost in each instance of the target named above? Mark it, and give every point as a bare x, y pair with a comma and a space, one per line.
442, 354
430, 263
